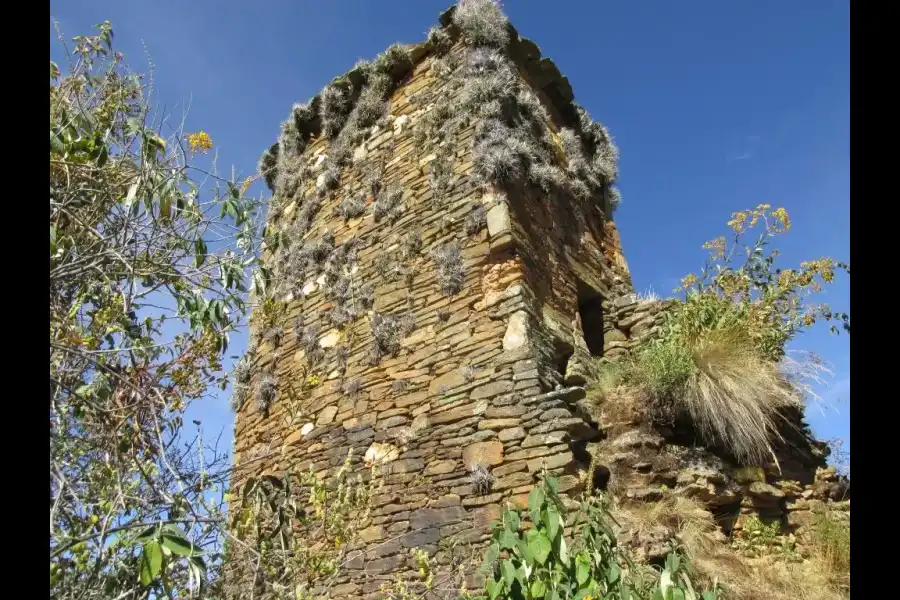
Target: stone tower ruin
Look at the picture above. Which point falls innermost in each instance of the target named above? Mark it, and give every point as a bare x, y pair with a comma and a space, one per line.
442, 267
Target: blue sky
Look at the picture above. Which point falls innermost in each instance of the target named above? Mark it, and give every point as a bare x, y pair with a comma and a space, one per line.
716, 106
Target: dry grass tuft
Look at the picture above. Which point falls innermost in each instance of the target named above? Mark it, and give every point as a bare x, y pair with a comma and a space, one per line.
734, 398
765, 578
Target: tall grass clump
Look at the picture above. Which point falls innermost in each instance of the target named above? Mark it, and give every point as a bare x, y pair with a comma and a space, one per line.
720, 357
830, 544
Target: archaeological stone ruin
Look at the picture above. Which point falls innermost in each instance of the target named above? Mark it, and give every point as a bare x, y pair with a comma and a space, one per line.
443, 268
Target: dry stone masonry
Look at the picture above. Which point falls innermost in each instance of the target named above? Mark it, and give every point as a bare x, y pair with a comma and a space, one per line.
442, 268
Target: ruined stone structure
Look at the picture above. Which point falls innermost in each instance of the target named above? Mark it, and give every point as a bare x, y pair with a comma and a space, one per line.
444, 266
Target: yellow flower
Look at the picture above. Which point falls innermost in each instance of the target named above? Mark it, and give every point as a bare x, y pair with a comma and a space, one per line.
737, 221
782, 220
717, 246
199, 141
246, 185
687, 281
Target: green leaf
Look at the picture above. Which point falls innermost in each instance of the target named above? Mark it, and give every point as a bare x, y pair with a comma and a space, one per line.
552, 521
512, 520
165, 206
552, 484
563, 552
154, 141
490, 556
179, 545
493, 588
197, 569
508, 540
676, 594
709, 595
535, 503
538, 588
508, 571
56, 144
146, 535
540, 547
582, 570
199, 251
151, 563
613, 574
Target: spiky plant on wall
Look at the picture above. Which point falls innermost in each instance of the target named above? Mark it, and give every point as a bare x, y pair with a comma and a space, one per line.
482, 479
387, 332
265, 390
451, 272
389, 205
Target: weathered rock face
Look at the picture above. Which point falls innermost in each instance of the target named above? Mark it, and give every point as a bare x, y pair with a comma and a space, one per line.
646, 462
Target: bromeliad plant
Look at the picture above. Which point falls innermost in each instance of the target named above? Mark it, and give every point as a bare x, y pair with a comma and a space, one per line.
543, 562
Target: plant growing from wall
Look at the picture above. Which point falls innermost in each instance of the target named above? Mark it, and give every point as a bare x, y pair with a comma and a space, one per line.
387, 333
542, 561
295, 532
720, 358
451, 272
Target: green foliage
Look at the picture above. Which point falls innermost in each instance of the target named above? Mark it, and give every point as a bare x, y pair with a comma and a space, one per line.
294, 532
752, 293
720, 356
830, 539
542, 561
142, 302
756, 538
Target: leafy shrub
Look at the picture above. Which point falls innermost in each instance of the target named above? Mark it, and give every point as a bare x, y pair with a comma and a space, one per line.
543, 562
719, 358
297, 531
147, 284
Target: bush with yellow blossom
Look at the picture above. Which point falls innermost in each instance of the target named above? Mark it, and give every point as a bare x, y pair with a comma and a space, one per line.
720, 357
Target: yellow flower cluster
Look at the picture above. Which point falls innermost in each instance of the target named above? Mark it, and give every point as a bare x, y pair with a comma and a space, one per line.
199, 141
737, 221
824, 267
246, 185
716, 246
744, 220
687, 281
782, 220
